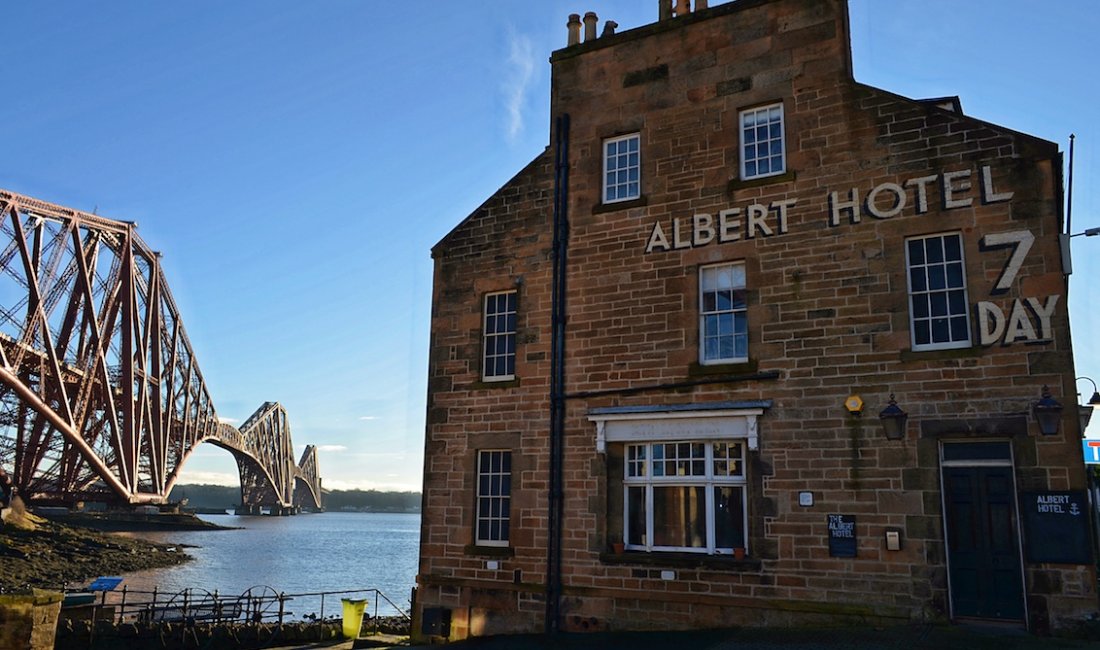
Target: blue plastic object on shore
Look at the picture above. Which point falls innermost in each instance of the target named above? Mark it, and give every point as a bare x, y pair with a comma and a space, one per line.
105, 583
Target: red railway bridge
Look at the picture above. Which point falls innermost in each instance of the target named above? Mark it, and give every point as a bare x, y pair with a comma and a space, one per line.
100, 394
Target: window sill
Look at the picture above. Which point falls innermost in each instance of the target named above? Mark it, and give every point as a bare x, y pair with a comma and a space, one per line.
639, 202
507, 383
682, 560
697, 369
739, 184
489, 551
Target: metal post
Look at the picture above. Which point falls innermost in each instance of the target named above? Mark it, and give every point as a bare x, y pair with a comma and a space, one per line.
556, 496
1069, 193
122, 607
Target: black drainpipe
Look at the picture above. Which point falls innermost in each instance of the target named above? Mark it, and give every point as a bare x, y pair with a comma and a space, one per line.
557, 375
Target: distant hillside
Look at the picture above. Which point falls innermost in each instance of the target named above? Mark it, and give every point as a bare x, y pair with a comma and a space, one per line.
224, 497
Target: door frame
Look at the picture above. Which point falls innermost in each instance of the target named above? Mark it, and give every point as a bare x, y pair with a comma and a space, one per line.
1010, 462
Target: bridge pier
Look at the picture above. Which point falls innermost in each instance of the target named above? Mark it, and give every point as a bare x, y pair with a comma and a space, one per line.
249, 509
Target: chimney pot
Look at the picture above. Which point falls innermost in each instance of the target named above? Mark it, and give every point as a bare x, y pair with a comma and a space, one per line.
700, 5
683, 8
664, 9
574, 27
609, 28
590, 20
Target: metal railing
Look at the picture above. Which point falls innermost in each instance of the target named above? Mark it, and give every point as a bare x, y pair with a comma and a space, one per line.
257, 605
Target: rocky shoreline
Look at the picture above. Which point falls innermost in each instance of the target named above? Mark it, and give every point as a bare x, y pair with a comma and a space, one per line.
119, 522
37, 553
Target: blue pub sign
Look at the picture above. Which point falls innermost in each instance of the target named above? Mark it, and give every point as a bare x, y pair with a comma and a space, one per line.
1091, 448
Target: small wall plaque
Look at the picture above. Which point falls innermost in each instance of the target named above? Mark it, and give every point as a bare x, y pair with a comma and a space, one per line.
1056, 527
842, 535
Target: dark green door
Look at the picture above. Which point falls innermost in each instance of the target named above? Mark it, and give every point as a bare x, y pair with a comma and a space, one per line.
982, 543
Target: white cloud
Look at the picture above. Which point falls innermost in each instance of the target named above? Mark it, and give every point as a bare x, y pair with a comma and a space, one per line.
207, 478
368, 417
332, 448
210, 451
522, 59
396, 486
228, 420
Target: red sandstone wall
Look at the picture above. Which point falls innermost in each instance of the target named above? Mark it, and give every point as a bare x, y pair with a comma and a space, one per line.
828, 315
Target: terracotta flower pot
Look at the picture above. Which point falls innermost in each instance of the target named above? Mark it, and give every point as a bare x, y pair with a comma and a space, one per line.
739, 553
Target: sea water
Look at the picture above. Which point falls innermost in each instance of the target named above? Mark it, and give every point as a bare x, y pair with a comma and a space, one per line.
306, 553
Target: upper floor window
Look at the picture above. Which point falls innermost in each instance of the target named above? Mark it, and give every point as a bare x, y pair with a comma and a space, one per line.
938, 311
621, 168
763, 151
499, 344
685, 496
494, 497
723, 322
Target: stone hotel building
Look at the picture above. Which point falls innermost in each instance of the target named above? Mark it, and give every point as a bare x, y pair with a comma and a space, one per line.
751, 342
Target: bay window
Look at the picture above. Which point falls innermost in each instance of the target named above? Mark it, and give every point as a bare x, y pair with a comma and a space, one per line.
686, 496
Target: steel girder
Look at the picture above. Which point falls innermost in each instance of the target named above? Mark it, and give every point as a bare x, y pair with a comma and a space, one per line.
100, 394
272, 478
307, 483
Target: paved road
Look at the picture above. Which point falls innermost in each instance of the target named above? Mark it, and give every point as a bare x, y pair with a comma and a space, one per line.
916, 637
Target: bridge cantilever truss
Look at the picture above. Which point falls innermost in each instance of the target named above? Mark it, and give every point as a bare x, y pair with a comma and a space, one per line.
100, 393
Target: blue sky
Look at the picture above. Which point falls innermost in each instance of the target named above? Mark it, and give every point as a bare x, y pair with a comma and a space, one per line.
295, 162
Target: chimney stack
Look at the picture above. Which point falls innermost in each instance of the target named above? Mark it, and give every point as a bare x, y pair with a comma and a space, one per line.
664, 9
683, 8
574, 26
700, 5
590, 20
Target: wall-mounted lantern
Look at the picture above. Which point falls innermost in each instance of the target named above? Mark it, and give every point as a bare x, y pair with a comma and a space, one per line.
893, 420
1048, 412
1085, 411
1095, 399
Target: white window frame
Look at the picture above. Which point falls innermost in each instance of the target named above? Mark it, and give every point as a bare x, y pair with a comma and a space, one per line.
622, 166
736, 271
734, 423
916, 294
493, 334
750, 165
498, 493
648, 480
